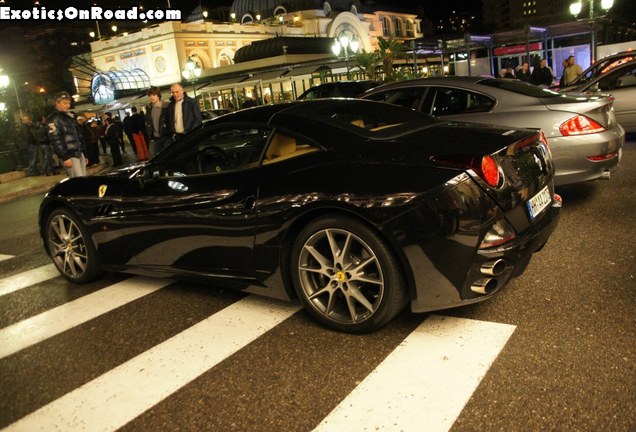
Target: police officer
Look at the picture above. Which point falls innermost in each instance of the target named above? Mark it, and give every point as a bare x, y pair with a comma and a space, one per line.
66, 137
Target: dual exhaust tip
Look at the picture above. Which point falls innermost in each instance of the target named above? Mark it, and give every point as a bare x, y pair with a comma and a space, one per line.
488, 284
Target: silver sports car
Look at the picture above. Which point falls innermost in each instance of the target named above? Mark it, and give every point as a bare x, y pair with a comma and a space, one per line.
621, 83
582, 131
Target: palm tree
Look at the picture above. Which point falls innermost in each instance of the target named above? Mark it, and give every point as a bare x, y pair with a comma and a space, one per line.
391, 50
368, 62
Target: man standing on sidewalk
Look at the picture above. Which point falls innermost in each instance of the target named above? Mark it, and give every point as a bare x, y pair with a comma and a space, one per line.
137, 128
156, 115
183, 112
28, 138
65, 136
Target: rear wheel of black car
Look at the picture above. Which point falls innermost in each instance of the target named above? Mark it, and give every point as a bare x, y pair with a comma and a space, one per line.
346, 276
70, 248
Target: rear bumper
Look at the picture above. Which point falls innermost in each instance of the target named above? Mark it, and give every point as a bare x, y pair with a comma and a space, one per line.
515, 256
570, 155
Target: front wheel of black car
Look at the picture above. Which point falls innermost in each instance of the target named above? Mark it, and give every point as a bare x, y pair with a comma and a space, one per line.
70, 248
346, 276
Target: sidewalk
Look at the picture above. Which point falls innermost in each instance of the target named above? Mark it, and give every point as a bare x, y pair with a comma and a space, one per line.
17, 184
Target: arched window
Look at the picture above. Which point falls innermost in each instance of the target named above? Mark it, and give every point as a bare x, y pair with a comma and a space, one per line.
280, 10
247, 18
386, 26
410, 32
326, 8
397, 25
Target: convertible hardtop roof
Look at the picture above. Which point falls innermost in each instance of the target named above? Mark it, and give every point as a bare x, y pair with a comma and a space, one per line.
371, 119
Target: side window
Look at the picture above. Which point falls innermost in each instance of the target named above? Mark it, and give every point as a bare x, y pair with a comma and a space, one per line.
478, 103
627, 80
449, 101
219, 150
283, 147
409, 98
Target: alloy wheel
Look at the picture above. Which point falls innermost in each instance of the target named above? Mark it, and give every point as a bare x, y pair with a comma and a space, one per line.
67, 246
341, 276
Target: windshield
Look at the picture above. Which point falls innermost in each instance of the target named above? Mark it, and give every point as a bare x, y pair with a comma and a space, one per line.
520, 87
601, 68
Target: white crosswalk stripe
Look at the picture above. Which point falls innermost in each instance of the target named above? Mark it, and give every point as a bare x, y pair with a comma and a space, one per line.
422, 385
125, 392
31, 277
428, 378
5, 257
47, 324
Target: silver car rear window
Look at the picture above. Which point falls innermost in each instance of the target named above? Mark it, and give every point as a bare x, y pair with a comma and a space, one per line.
519, 87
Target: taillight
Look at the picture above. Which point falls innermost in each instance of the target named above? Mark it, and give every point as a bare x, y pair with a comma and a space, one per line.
490, 170
580, 125
486, 167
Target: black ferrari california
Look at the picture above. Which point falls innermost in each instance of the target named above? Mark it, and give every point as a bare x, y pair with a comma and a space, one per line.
356, 208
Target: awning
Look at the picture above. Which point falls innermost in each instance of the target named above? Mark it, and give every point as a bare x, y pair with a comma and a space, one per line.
88, 107
269, 75
223, 84
307, 70
124, 102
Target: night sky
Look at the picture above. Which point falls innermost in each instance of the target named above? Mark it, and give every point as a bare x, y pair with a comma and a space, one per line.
433, 8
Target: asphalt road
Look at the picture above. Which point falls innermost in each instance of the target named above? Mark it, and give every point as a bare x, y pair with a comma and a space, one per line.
563, 342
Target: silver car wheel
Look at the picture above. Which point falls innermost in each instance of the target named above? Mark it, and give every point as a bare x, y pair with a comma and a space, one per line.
67, 246
341, 276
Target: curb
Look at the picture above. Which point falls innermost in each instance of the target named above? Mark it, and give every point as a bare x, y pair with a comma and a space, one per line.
45, 184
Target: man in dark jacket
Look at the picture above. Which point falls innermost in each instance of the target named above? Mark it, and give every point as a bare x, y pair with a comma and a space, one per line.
183, 112
542, 75
28, 138
524, 74
128, 131
156, 116
65, 136
138, 130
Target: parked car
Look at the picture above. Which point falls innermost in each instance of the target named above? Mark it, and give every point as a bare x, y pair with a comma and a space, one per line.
600, 67
621, 83
354, 207
582, 131
342, 89
213, 113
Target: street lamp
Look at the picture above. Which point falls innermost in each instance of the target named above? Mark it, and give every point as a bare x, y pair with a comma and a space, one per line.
577, 7
346, 46
191, 71
4, 83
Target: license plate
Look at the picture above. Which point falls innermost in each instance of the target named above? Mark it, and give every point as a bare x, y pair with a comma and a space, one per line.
539, 202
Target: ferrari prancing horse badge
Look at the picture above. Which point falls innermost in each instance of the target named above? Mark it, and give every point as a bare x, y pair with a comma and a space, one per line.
102, 190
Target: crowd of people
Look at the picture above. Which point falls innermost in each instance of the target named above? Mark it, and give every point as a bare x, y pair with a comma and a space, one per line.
75, 140
542, 75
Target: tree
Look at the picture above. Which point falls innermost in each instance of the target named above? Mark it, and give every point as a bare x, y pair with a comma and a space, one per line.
368, 62
389, 51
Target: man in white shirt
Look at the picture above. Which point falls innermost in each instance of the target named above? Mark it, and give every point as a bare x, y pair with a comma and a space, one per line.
183, 112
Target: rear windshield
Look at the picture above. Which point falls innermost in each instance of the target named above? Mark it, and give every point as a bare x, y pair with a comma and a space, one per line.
520, 87
377, 120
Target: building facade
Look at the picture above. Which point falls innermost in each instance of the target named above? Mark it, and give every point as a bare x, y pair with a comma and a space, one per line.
162, 50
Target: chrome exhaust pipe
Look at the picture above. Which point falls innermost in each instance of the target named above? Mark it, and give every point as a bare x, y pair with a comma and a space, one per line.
484, 286
493, 268
605, 175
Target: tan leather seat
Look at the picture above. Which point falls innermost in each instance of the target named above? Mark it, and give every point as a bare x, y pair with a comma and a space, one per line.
281, 145
358, 122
